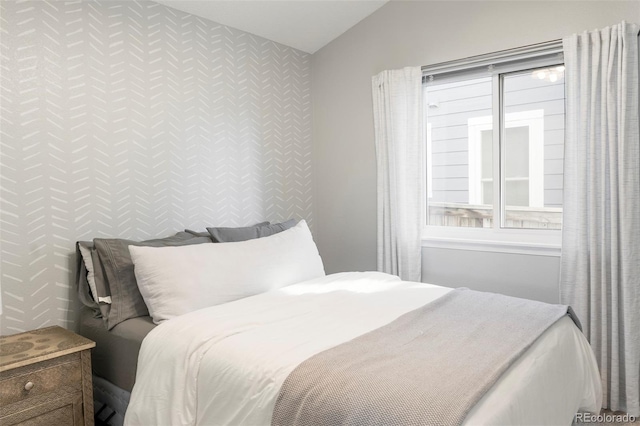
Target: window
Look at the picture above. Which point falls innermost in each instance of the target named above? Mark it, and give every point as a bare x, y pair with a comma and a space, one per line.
524, 165
494, 143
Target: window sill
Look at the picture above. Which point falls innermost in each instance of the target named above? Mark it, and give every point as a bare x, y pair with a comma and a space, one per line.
528, 248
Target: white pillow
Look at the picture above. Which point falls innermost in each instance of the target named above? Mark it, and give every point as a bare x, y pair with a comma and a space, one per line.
176, 280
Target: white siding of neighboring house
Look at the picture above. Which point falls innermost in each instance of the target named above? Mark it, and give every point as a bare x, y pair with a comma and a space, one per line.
449, 108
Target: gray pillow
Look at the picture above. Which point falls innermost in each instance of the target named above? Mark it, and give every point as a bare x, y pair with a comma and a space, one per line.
230, 235
197, 234
82, 284
114, 258
102, 286
101, 310
206, 234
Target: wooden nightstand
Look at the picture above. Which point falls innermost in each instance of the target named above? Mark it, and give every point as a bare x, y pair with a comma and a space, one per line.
45, 378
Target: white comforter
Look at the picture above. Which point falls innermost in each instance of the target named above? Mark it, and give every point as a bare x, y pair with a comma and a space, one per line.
224, 365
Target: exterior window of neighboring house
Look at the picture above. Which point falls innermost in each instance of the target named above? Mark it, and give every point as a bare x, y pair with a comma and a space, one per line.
495, 141
524, 159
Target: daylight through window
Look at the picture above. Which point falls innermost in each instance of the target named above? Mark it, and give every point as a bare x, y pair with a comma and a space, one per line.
495, 140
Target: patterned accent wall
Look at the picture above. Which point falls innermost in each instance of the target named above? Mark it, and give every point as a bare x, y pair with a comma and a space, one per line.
134, 120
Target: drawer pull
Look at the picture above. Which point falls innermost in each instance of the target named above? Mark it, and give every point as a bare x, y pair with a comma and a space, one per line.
28, 386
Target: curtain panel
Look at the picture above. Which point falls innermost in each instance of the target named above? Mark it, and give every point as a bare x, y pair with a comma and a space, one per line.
398, 119
600, 266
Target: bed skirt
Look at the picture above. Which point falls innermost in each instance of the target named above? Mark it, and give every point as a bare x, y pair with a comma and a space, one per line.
110, 401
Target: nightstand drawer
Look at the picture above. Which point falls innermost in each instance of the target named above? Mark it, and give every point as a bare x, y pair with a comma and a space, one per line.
60, 416
45, 378
62, 378
66, 410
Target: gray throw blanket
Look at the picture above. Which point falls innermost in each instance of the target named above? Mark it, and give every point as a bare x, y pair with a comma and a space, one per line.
428, 367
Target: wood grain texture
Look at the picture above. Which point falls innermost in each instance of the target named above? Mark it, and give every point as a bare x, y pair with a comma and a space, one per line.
68, 375
57, 410
39, 345
56, 364
87, 388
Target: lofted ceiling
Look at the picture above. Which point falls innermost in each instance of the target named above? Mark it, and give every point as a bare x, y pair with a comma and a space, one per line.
307, 25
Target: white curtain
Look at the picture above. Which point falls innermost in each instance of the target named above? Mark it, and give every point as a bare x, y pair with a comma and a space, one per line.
397, 112
600, 272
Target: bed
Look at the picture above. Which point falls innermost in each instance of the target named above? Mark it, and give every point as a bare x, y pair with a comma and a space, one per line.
233, 362
114, 361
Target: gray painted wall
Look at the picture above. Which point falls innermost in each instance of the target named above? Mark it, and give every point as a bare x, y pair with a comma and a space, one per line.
419, 33
519, 275
134, 120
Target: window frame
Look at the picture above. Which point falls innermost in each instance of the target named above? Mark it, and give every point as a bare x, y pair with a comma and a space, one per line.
498, 238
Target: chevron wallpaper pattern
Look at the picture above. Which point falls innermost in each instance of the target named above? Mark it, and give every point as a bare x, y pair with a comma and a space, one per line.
134, 120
